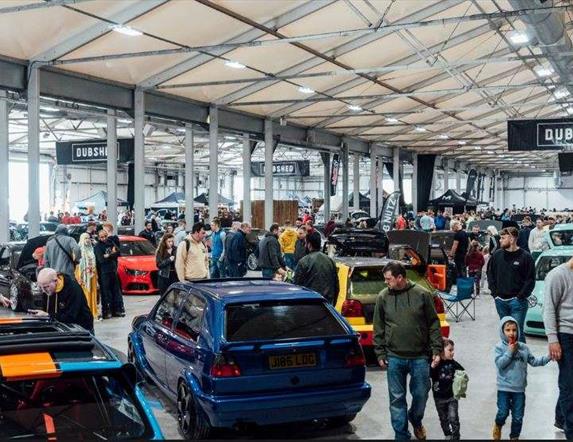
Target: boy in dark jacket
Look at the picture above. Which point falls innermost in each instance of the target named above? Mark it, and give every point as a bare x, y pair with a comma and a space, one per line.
442, 387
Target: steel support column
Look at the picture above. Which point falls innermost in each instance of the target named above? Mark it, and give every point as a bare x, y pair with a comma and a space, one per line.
373, 182
415, 182
4, 170
458, 179
213, 161
356, 181
112, 153
380, 184
246, 179
269, 194
139, 160
33, 152
326, 182
396, 167
446, 175
189, 175
345, 174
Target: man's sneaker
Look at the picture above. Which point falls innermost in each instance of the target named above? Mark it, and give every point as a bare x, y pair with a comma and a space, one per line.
559, 426
496, 433
420, 433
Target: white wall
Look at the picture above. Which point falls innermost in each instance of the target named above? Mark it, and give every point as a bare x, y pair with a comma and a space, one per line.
539, 192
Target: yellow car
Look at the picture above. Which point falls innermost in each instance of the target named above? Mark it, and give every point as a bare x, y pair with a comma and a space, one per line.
361, 280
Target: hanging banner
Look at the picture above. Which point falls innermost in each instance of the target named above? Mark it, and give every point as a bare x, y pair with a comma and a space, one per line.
480, 184
389, 211
334, 173
282, 168
470, 184
91, 151
551, 134
492, 188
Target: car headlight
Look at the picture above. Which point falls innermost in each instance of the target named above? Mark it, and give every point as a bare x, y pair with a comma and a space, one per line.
532, 301
136, 272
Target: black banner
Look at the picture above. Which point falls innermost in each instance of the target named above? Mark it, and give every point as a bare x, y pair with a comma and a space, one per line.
389, 211
92, 151
480, 184
551, 134
492, 188
282, 168
334, 173
470, 184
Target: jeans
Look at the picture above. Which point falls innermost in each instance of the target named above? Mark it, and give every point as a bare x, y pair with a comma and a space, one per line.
236, 269
514, 402
565, 382
476, 275
516, 308
449, 419
111, 296
398, 370
214, 272
289, 260
268, 273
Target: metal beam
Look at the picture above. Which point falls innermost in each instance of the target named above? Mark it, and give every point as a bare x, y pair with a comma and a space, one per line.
289, 17
33, 152
326, 183
112, 153
42, 5
123, 16
139, 160
4, 169
213, 162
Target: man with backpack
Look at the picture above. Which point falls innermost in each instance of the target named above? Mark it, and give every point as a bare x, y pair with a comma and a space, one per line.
192, 261
61, 250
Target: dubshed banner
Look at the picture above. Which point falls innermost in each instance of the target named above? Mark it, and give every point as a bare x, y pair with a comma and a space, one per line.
389, 211
282, 168
470, 183
92, 151
334, 173
551, 134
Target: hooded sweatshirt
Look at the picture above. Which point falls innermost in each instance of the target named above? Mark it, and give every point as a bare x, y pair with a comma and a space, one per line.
406, 324
287, 240
512, 367
61, 251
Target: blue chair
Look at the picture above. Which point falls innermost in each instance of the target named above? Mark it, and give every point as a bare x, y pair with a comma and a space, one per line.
462, 301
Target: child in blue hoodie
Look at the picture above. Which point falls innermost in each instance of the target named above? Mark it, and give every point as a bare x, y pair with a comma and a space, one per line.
511, 359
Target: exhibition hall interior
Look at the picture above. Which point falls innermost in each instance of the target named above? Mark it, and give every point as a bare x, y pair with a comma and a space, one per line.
286, 219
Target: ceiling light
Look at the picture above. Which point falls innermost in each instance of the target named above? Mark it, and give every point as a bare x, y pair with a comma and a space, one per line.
543, 71
49, 109
391, 120
354, 108
569, 110
165, 146
420, 129
491, 152
518, 38
234, 64
477, 148
461, 142
305, 90
124, 121
444, 136
561, 93
126, 30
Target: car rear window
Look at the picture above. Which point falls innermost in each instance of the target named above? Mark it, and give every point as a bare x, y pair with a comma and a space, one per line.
548, 263
280, 320
366, 281
562, 238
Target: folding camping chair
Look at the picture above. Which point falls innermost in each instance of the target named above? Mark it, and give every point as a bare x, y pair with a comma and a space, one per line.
462, 301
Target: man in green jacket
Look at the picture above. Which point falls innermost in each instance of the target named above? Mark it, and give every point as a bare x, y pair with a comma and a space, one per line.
406, 337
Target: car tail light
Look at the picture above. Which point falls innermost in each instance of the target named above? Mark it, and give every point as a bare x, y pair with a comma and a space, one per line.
356, 357
352, 308
225, 367
439, 304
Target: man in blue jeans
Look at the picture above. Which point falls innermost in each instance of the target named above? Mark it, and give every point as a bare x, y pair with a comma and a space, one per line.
406, 338
558, 321
511, 278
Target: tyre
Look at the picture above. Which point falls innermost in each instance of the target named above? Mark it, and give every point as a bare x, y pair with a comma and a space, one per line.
192, 424
340, 421
252, 262
141, 376
15, 301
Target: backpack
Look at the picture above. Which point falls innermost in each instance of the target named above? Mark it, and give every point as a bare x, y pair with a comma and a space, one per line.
460, 385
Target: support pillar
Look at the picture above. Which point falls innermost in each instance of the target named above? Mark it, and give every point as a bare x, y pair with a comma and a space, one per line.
373, 182
345, 190
213, 161
33, 152
269, 194
139, 160
112, 167
380, 185
446, 176
415, 183
246, 179
458, 179
326, 168
356, 181
396, 166
189, 176
4, 170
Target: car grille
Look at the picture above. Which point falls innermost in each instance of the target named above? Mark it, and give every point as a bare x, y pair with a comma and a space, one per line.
137, 286
536, 324
154, 276
368, 310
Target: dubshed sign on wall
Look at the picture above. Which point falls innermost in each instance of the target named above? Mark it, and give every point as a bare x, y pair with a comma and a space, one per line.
552, 134
282, 168
92, 151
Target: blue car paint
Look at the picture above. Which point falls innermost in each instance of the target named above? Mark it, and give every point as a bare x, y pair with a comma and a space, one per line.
157, 434
191, 365
70, 367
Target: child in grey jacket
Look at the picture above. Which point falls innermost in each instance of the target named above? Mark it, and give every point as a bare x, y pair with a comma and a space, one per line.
511, 359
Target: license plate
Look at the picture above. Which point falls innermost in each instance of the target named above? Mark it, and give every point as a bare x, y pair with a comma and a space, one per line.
292, 361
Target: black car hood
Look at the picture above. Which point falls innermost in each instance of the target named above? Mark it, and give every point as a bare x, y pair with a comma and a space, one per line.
32, 244
359, 240
419, 241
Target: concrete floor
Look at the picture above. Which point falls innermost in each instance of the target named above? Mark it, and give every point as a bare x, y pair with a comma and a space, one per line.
474, 340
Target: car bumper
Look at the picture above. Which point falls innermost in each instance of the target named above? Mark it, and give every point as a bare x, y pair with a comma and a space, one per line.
226, 412
366, 333
534, 322
138, 285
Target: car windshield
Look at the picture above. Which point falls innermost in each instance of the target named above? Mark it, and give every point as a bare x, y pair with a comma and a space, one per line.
548, 263
366, 281
561, 237
71, 407
280, 320
136, 248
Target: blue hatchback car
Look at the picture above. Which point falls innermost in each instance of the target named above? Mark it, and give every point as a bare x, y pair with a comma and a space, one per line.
249, 351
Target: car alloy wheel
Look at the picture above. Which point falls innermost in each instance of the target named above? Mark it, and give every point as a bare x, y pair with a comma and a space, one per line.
252, 262
14, 297
191, 424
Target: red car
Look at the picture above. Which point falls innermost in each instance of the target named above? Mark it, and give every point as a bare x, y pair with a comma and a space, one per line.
136, 266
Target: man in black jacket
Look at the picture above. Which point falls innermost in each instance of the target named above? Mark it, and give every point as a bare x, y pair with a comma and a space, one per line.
523, 238
148, 233
511, 278
236, 254
106, 253
271, 260
66, 300
300, 245
317, 271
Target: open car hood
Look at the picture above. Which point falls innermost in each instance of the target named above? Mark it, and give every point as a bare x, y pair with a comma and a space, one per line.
353, 240
31, 245
419, 241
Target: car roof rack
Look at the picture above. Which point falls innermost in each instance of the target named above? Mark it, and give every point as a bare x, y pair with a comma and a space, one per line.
26, 335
